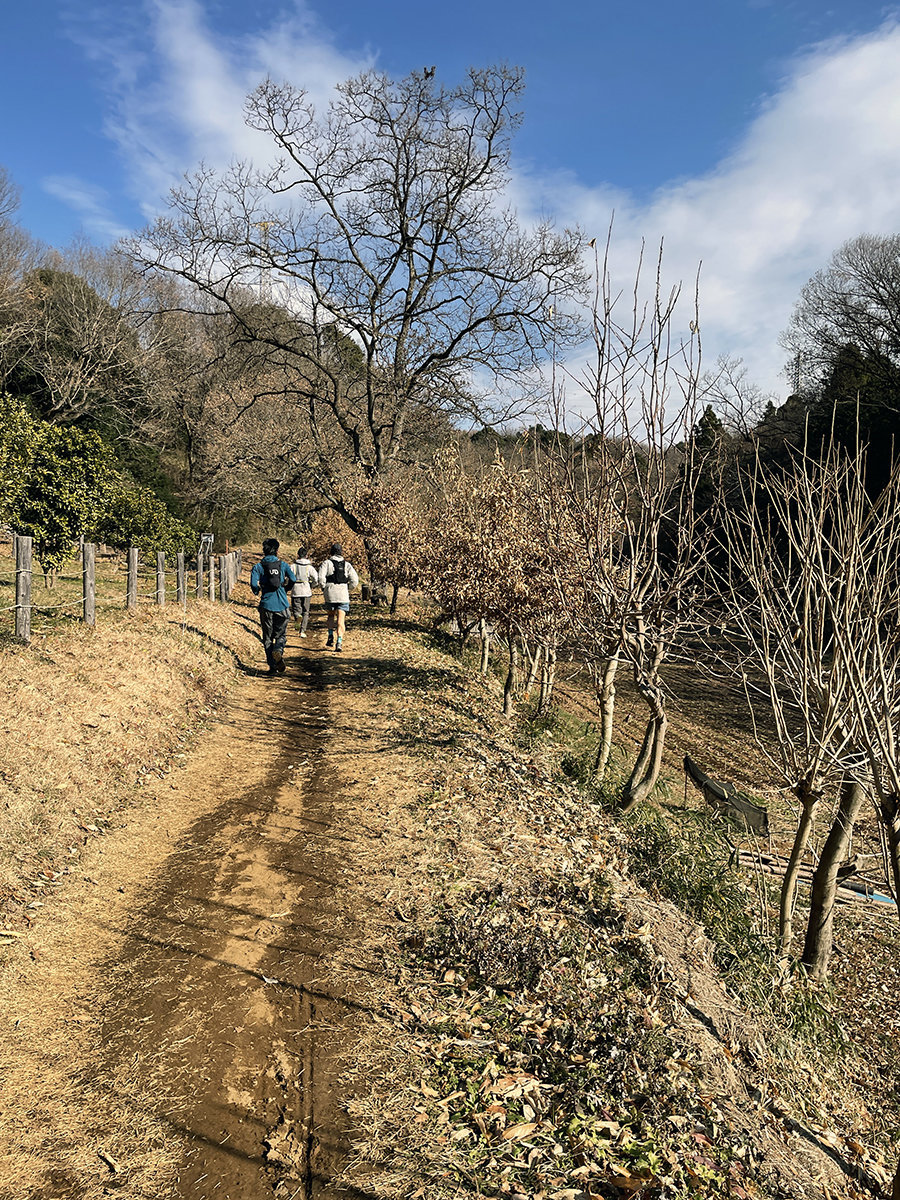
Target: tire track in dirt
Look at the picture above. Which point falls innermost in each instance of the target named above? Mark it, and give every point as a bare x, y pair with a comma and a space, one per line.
218, 1003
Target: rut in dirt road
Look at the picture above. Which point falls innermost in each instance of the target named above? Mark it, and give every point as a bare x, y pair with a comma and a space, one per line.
222, 1007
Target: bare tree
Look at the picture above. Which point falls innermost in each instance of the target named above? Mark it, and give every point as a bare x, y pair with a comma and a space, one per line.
581, 518
18, 256
380, 226
77, 354
814, 592
643, 569
855, 300
867, 636
736, 399
782, 590
820, 927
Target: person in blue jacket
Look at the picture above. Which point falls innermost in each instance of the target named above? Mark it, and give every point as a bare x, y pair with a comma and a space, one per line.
271, 580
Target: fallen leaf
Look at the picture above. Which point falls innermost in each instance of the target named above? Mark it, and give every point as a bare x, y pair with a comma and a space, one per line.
515, 1133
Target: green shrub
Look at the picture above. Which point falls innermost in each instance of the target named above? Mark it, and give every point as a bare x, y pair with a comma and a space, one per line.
68, 478
137, 517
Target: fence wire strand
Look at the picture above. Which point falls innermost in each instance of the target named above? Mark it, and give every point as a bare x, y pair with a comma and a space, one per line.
112, 569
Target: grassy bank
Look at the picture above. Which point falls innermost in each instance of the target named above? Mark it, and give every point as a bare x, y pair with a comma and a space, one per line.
588, 1008
86, 716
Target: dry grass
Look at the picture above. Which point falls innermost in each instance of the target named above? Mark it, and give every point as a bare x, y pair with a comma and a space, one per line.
56, 608
491, 925
517, 915
85, 715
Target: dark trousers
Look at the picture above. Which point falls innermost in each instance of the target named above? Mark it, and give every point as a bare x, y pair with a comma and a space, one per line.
274, 632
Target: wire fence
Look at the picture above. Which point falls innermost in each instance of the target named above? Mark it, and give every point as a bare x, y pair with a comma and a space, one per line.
108, 580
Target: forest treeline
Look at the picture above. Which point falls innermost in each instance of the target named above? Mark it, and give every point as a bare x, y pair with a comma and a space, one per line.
362, 328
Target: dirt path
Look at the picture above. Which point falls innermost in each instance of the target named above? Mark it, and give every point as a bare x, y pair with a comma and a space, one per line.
185, 1025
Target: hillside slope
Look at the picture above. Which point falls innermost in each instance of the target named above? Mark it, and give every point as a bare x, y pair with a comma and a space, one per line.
365, 940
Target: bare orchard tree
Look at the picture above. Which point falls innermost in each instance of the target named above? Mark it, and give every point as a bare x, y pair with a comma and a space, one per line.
580, 518
488, 559
645, 566
789, 545
395, 517
381, 224
868, 638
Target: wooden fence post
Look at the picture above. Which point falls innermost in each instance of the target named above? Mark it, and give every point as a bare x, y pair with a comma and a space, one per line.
198, 590
160, 578
223, 578
23, 588
212, 577
180, 586
88, 582
131, 586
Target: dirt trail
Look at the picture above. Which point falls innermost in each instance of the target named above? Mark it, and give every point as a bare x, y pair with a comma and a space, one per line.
211, 969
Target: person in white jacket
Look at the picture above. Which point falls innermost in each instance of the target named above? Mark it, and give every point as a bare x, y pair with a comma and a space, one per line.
305, 575
337, 579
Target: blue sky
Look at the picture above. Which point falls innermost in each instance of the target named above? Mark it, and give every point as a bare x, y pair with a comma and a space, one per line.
755, 136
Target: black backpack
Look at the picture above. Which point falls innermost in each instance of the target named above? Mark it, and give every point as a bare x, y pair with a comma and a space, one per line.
338, 572
271, 577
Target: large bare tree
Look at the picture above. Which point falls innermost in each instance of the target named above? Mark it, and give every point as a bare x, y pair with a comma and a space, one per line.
382, 225
855, 300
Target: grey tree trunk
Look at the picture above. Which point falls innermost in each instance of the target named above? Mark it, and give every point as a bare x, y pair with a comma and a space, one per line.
645, 773
510, 676
809, 800
820, 930
485, 647
533, 667
606, 702
548, 678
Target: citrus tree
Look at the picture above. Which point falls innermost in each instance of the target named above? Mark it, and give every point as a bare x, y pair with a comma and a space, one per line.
69, 477
135, 516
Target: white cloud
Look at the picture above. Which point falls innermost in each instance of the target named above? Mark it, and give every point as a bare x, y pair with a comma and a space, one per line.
90, 202
177, 88
819, 164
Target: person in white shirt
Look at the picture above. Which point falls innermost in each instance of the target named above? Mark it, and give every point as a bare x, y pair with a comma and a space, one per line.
305, 575
337, 578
